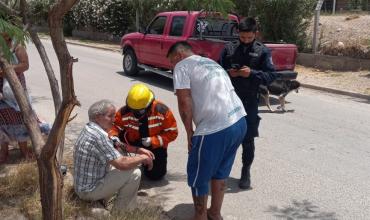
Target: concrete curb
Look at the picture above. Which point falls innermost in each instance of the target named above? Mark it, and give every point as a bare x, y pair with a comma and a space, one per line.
85, 45
336, 91
308, 86
93, 46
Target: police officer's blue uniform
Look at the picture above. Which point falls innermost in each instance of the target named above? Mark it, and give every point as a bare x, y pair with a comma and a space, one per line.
257, 57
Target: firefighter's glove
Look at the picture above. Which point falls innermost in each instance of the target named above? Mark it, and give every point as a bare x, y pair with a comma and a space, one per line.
147, 142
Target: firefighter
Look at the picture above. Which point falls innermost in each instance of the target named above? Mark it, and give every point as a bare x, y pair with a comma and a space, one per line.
146, 122
249, 65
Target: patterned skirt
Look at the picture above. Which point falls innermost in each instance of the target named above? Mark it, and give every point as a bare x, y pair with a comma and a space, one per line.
12, 127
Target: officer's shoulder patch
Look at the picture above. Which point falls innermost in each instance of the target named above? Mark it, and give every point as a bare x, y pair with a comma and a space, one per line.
161, 108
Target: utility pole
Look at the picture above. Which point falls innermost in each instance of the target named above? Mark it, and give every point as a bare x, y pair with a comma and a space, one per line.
334, 6
316, 25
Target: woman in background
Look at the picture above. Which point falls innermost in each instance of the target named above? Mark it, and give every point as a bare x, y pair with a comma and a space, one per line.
12, 126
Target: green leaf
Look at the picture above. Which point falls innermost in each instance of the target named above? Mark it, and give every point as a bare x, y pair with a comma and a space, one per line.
17, 34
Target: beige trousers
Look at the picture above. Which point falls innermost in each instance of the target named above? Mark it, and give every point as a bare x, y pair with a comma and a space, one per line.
123, 183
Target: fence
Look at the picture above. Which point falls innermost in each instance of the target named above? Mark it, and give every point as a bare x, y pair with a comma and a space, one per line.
341, 34
345, 5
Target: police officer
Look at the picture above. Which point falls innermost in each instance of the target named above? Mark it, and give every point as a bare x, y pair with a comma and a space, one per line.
249, 65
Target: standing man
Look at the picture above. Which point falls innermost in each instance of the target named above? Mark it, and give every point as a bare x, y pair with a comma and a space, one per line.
249, 65
206, 97
146, 122
94, 155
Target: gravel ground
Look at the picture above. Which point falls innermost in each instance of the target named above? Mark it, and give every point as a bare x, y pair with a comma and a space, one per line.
336, 27
358, 82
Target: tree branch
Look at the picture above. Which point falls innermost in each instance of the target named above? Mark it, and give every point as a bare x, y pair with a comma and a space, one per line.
44, 57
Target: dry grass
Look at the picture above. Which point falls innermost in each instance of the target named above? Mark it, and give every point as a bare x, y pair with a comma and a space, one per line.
349, 48
21, 186
350, 29
367, 91
143, 213
22, 182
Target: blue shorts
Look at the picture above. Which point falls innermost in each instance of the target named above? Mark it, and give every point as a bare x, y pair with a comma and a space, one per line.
212, 156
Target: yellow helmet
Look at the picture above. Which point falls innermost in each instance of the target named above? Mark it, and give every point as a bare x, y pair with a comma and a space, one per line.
139, 97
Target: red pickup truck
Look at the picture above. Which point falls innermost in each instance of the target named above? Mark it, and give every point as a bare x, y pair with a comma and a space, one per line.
206, 32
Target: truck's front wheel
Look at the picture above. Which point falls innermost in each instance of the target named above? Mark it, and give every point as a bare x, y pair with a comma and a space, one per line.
130, 63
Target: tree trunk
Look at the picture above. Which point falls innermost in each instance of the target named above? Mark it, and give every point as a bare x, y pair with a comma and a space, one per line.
50, 179
49, 175
54, 86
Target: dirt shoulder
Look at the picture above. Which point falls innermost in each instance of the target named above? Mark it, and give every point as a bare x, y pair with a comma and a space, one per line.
355, 82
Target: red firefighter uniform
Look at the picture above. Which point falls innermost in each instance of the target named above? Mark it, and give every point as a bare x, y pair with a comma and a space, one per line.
158, 123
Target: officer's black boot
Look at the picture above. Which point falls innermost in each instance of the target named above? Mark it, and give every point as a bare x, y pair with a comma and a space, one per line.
245, 179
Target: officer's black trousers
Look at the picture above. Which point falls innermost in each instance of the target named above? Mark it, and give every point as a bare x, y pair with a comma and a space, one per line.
159, 164
248, 151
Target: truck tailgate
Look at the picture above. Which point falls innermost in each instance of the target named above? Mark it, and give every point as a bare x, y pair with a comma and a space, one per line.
283, 56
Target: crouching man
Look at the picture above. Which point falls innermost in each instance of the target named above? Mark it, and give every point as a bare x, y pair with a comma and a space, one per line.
94, 156
145, 121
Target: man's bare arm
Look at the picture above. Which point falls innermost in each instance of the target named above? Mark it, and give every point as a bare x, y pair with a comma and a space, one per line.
185, 105
127, 163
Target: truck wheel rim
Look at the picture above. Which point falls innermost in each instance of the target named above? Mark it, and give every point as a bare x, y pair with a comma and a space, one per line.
128, 62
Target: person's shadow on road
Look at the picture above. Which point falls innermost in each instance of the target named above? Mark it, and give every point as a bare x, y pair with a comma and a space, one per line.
151, 79
232, 185
181, 211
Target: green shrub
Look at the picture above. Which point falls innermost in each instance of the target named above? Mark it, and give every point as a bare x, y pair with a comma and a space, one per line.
39, 11
285, 20
112, 16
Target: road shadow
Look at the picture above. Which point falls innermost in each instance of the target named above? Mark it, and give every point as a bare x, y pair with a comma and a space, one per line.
146, 183
39, 99
183, 211
275, 103
301, 210
365, 101
232, 185
278, 111
151, 79
15, 157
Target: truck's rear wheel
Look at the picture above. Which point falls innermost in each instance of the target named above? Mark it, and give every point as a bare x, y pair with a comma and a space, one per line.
130, 63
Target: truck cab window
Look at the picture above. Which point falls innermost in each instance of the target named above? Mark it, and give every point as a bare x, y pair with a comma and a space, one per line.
216, 27
157, 26
177, 25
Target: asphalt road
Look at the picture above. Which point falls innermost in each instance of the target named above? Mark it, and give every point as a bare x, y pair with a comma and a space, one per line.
311, 163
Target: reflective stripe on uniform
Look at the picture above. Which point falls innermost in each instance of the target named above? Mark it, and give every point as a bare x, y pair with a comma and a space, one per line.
131, 126
154, 125
129, 118
171, 129
160, 140
155, 117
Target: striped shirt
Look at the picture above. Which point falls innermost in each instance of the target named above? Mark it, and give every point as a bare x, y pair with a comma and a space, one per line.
93, 151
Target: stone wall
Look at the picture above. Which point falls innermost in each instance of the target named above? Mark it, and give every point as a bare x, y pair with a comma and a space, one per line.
338, 63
